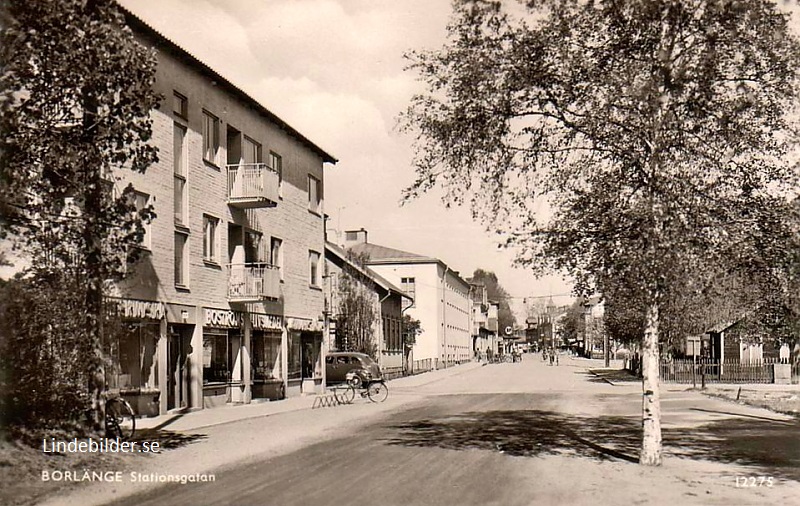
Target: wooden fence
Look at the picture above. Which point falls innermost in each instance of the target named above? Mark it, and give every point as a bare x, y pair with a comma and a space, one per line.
712, 371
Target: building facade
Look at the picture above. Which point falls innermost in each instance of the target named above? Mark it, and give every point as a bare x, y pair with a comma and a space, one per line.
387, 302
441, 298
226, 303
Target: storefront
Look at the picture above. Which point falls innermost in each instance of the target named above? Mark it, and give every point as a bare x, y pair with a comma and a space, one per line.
133, 334
266, 337
222, 357
305, 359
180, 383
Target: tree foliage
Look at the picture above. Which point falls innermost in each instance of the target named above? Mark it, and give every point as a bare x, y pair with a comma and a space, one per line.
356, 310
573, 324
496, 292
656, 133
75, 100
411, 329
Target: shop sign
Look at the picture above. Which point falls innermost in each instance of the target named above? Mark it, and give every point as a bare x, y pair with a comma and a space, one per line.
223, 318
304, 324
265, 321
141, 309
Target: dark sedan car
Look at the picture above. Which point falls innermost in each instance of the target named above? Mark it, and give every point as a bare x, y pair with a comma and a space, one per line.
339, 363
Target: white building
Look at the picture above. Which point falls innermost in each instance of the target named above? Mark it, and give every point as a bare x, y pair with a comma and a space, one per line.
441, 297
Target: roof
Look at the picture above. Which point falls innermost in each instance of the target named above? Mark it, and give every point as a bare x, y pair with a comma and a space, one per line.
721, 327
381, 254
162, 42
377, 278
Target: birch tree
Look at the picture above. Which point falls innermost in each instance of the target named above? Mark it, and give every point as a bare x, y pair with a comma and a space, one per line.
636, 140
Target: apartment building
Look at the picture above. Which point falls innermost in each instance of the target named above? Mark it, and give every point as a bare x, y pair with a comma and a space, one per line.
441, 297
226, 304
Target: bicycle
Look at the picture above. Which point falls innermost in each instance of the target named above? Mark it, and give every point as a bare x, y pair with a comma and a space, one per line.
373, 389
120, 421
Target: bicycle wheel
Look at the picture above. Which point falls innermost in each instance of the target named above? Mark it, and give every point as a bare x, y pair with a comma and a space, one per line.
344, 394
377, 391
120, 420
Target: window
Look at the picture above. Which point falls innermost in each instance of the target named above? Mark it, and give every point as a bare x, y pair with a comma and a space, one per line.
180, 106
276, 163
314, 193
251, 151
180, 166
181, 260
217, 355
131, 353
266, 357
409, 286
313, 262
210, 239
276, 254
142, 201
210, 137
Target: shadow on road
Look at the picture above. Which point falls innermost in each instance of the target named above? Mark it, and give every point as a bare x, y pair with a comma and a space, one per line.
167, 439
775, 448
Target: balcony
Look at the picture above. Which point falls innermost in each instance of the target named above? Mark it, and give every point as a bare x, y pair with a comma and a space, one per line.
253, 282
252, 185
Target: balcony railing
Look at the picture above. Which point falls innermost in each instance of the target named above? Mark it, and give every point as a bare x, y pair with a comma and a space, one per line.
252, 185
253, 282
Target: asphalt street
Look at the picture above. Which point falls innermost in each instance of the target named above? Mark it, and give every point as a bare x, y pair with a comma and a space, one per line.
505, 434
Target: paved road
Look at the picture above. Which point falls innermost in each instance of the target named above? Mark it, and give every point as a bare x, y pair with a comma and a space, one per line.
502, 434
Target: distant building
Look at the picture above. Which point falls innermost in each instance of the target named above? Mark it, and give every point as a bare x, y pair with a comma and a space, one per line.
441, 298
484, 319
388, 303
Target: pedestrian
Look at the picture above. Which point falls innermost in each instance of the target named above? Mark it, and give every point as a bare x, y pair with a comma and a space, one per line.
552, 358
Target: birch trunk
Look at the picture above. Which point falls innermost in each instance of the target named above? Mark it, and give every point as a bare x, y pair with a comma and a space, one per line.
651, 402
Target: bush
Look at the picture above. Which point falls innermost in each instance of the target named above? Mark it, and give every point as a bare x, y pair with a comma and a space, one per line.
45, 356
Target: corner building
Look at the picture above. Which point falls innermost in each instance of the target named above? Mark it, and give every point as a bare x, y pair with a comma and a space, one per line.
226, 303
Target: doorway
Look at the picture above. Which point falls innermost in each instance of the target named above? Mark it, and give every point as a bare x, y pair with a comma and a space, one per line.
178, 352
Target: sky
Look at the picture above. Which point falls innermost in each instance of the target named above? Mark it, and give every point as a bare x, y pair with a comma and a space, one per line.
334, 70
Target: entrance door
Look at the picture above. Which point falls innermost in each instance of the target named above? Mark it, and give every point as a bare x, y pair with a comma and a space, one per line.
178, 370
307, 356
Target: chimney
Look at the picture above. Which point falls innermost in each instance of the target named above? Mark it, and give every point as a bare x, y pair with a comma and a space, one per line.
353, 237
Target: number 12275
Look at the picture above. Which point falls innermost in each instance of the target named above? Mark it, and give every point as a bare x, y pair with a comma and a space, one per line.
754, 481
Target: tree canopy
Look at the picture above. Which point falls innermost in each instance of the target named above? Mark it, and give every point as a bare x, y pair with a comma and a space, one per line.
496, 292
655, 135
76, 95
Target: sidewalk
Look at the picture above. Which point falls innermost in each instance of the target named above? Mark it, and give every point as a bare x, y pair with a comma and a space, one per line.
231, 413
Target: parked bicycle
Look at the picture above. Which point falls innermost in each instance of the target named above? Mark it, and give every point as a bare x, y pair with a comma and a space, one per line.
120, 421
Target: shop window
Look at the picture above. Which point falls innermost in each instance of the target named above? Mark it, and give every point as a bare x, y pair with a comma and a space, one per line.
215, 357
294, 358
266, 355
131, 351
